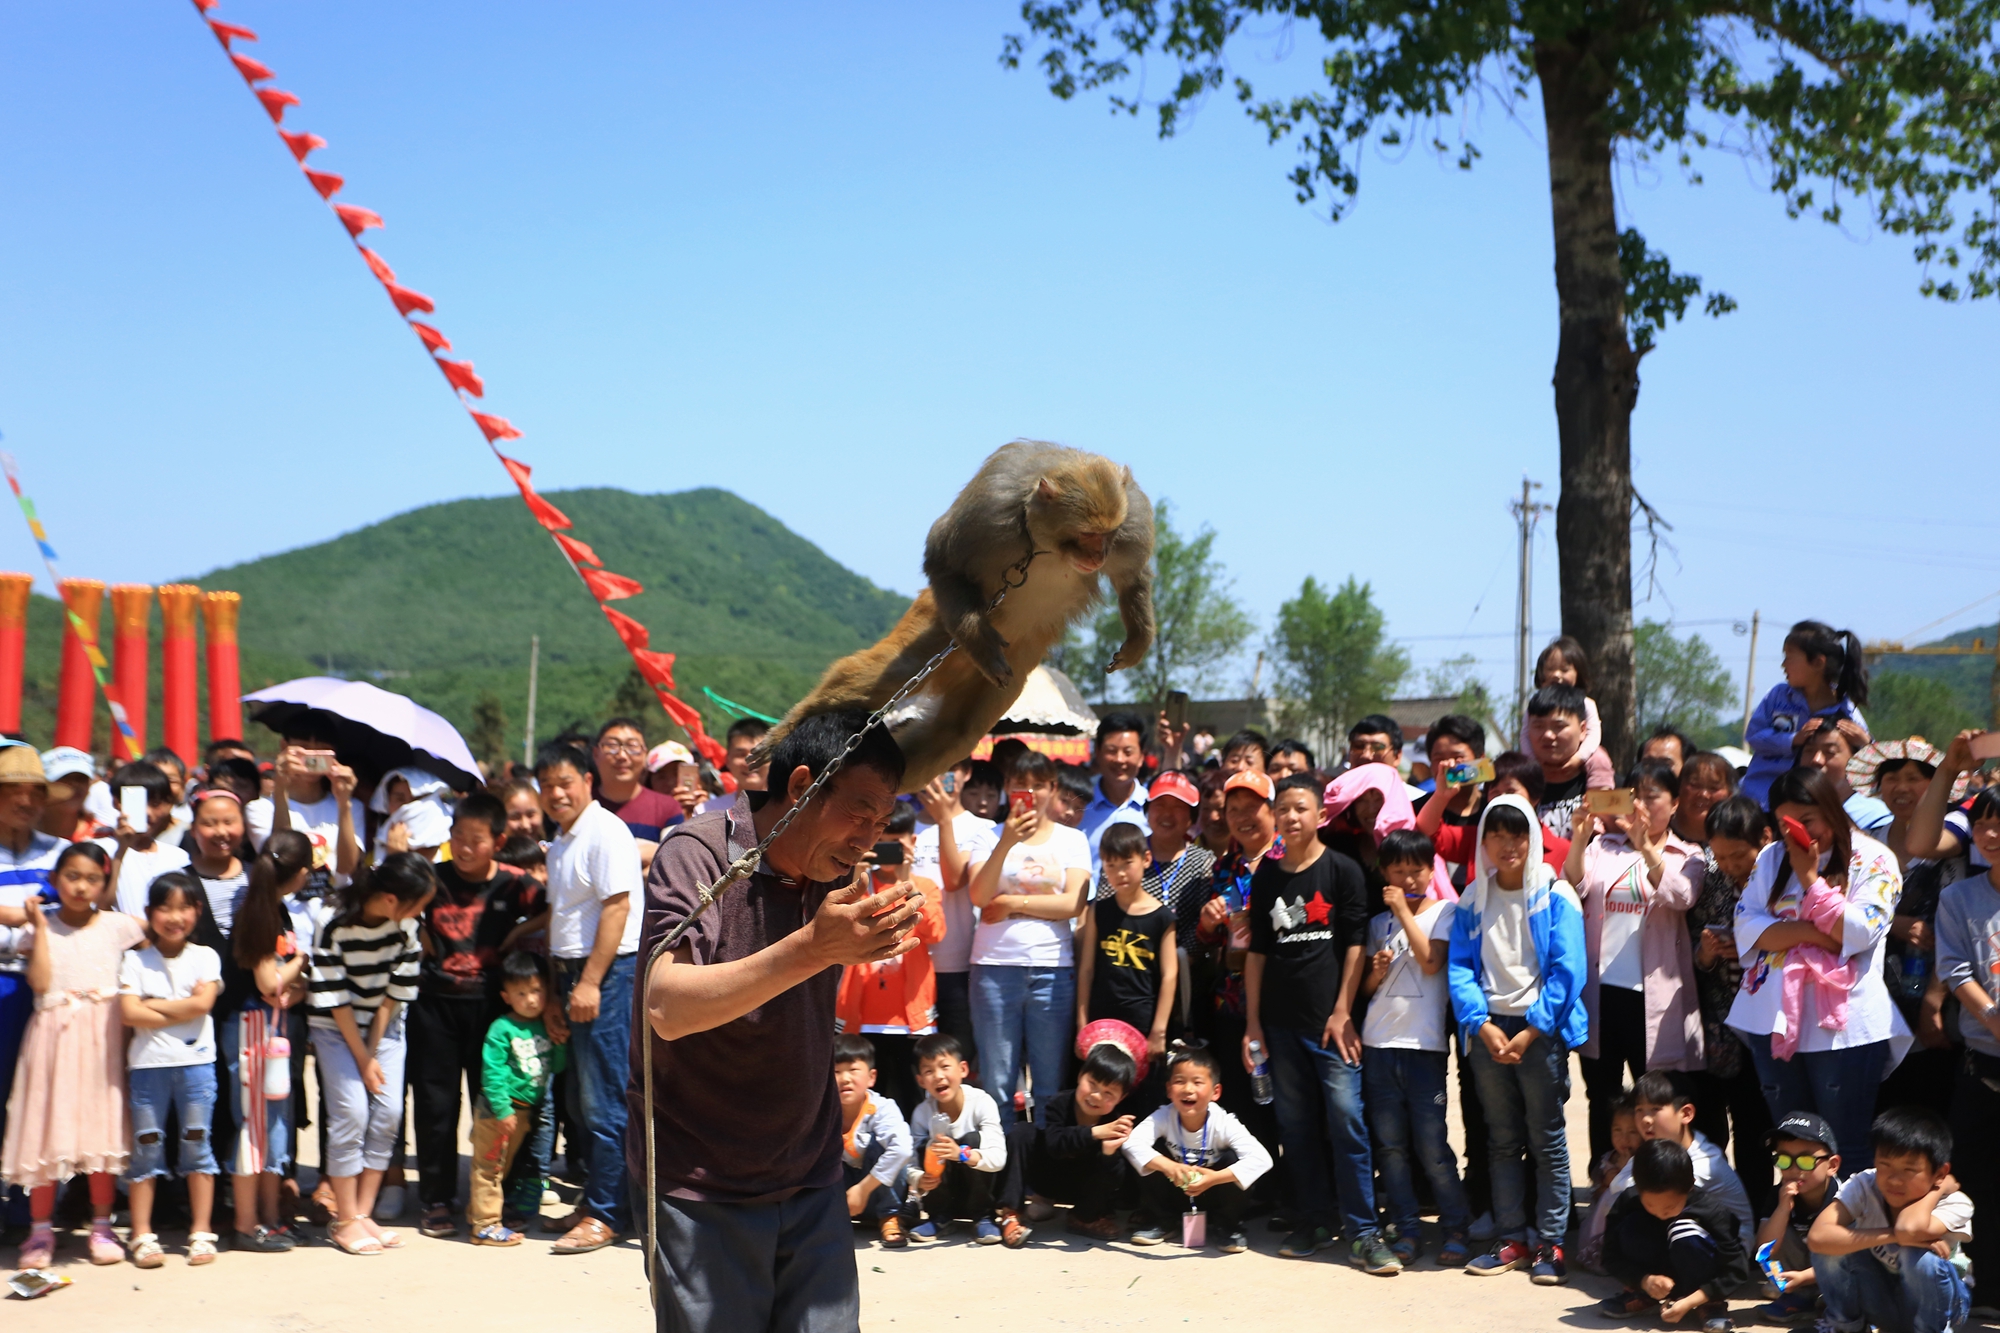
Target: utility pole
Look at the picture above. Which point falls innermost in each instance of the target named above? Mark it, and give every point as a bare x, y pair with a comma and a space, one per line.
1526, 510
1750, 674
534, 669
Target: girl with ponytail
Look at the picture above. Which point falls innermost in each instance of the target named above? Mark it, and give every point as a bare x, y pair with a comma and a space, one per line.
1826, 682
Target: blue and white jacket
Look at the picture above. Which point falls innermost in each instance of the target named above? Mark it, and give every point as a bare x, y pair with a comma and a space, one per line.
1555, 926
1775, 722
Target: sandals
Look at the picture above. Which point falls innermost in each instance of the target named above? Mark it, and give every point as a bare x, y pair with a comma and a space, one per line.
201, 1247
496, 1234
39, 1250
367, 1245
146, 1251
438, 1223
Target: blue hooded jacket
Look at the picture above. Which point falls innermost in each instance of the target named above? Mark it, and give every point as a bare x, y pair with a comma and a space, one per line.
1777, 719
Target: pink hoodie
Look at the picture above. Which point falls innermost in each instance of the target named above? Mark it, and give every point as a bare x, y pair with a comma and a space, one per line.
1396, 813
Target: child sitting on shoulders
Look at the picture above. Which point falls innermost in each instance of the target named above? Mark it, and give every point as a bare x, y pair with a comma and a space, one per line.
516, 1064
962, 1147
1071, 1153
1883, 1252
874, 1140
1808, 1169
1191, 1153
1128, 961
1674, 1247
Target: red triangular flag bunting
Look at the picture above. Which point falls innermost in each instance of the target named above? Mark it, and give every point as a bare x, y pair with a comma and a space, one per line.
301, 143
657, 668
494, 428
275, 101
577, 550
376, 264
356, 218
608, 587
204, 5
251, 70
433, 340
461, 377
545, 513
407, 300
325, 182
630, 630
225, 31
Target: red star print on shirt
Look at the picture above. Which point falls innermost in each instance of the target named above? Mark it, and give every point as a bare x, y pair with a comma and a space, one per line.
1318, 909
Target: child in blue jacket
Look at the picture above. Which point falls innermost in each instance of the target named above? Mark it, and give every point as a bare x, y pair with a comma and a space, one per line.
1826, 680
1517, 972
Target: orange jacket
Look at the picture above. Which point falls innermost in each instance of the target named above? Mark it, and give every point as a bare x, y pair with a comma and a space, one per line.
901, 993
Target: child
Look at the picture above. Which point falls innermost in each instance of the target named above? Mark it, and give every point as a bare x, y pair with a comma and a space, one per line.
1672, 1246
1076, 788
1625, 1141
1517, 971
1636, 880
1563, 663
1072, 1156
1663, 1108
895, 1001
1883, 1252
1404, 1047
138, 854
1808, 1164
1128, 964
1191, 1153
364, 970
67, 1111
165, 993
265, 1027
1826, 677
1968, 958
955, 1179
515, 1067
874, 1141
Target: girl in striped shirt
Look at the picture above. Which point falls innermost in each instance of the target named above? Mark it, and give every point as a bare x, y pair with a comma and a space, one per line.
364, 970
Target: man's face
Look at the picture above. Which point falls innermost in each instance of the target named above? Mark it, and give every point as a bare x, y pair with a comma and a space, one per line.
852, 1079
1119, 756
1828, 751
841, 827
621, 755
1663, 1122
21, 805
1370, 747
64, 804
565, 793
1243, 759
1285, 764
1664, 747
1554, 739
738, 762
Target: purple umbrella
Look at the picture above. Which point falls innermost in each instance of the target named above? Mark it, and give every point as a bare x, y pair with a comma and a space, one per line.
372, 728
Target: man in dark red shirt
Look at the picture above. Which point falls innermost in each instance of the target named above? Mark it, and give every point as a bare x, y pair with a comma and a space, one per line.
752, 1223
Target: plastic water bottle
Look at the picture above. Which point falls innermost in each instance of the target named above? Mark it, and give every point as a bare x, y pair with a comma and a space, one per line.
1915, 977
277, 1068
1260, 1075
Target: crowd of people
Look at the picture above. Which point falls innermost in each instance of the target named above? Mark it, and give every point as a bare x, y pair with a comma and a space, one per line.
1189, 985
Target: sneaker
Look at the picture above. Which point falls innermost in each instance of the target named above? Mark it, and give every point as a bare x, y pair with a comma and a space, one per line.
1305, 1242
1505, 1257
262, 1240
1406, 1247
1150, 1236
1013, 1232
987, 1232
1714, 1318
1372, 1255
1797, 1306
892, 1234
1483, 1228
1454, 1252
1097, 1228
1234, 1243
1627, 1304
1549, 1269
924, 1230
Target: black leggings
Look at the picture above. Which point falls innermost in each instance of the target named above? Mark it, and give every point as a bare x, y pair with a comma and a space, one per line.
1090, 1183
1621, 1045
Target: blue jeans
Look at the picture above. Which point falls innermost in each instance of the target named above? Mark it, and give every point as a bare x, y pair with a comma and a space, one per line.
1405, 1093
1316, 1093
1925, 1297
188, 1089
1524, 1109
600, 1053
1814, 1081
1022, 1014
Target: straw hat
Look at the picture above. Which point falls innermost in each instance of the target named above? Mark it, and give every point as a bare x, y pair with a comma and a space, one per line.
1868, 761
20, 763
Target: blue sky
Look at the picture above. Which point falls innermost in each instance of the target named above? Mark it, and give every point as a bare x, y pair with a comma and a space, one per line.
828, 257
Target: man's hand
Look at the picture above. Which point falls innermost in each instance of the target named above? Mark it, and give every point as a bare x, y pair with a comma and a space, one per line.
1496, 1044
1172, 738
583, 1000
1657, 1285
1340, 1037
853, 925
557, 1025
1251, 1034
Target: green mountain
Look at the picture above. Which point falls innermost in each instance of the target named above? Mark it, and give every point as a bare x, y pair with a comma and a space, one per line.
441, 604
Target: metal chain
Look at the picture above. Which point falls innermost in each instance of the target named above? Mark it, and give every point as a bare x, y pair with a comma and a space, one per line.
741, 869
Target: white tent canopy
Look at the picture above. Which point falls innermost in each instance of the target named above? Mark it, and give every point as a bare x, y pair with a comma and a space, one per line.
1049, 702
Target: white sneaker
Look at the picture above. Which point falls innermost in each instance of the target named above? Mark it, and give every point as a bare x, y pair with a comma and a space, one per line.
389, 1204
550, 1198
1482, 1228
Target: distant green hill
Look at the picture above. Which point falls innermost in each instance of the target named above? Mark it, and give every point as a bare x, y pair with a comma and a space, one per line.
440, 604
1935, 697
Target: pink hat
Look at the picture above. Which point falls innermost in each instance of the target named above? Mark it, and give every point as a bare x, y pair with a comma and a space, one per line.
1177, 786
1114, 1032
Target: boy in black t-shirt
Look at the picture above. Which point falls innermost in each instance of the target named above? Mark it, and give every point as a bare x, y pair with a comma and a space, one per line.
1128, 966
1309, 914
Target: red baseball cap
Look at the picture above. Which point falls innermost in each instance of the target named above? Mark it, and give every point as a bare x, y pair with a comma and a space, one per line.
1251, 780
1175, 785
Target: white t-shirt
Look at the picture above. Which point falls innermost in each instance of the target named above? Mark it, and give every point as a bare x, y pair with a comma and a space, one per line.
1870, 1210
1407, 1010
1508, 954
1624, 915
593, 859
954, 952
1030, 869
145, 973
138, 870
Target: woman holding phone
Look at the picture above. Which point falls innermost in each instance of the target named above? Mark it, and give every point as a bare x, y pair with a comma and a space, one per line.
1029, 881
1814, 916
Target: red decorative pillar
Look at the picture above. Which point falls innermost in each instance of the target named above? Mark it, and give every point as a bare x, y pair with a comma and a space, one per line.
13, 646
225, 684
180, 702
76, 691
131, 626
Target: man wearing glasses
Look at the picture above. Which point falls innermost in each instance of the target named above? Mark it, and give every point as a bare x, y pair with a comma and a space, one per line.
1376, 739
620, 753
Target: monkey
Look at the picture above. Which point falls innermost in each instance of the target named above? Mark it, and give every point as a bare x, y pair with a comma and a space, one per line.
1074, 518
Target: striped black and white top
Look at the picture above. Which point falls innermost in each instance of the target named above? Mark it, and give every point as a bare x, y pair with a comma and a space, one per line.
357, 966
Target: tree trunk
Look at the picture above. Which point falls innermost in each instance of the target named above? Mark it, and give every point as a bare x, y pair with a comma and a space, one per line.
1596, 383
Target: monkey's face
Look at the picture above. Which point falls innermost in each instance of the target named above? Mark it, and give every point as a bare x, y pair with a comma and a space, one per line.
1076, 509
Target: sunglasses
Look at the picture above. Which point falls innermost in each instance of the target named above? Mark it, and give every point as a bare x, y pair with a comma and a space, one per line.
1804, 1161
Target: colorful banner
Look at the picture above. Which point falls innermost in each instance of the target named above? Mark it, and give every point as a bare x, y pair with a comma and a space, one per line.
602, 584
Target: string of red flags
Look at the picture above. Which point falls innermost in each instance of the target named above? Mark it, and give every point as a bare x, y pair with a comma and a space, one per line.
604, 585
